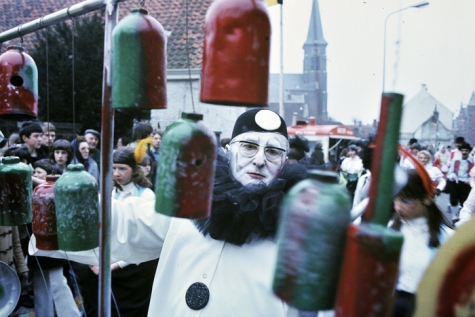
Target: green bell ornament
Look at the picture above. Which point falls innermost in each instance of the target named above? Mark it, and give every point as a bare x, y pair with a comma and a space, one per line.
185, 174
77, 209
314, 218
139, 63
15, 194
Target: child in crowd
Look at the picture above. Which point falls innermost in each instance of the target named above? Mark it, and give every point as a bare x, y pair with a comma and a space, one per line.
62, 154
425, 229
51, 290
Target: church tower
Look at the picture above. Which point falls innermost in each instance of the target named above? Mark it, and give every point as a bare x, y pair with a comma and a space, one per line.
315, 67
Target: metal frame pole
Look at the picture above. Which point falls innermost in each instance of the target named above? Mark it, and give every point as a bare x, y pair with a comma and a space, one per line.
54, 18
107, 120
107, 137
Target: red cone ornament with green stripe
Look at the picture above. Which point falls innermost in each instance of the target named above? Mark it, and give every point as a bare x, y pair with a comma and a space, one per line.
185, 174
77, 209
139, 62
18, 85
15, 193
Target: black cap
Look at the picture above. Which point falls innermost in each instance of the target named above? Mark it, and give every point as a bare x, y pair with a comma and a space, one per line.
94, 132
258, 120
300, 143
465, 146
353, 147
459, 139
416, 146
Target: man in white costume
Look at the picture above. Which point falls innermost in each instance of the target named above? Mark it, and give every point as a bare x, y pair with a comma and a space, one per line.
222, 265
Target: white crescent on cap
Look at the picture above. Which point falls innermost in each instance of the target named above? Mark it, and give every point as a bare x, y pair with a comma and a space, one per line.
267, 120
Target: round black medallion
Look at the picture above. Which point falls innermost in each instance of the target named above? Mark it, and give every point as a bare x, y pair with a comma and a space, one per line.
197, 296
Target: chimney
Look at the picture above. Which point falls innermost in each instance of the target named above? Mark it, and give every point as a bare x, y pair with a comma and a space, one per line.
424, 87
294, 118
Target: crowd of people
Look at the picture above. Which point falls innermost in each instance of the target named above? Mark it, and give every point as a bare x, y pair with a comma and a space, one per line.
51, 287
223, 264
420, 214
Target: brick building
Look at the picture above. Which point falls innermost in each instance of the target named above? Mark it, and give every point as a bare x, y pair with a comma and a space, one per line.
464, 121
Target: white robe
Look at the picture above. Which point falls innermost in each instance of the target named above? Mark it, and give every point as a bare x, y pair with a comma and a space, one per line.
239, 278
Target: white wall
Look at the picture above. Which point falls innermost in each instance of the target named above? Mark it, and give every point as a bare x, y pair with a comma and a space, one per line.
218, 118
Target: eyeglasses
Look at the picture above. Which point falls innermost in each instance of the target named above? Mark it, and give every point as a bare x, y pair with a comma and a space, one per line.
250, 149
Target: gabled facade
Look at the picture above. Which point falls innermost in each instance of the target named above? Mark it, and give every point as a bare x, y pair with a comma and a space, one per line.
418, 110
433, 132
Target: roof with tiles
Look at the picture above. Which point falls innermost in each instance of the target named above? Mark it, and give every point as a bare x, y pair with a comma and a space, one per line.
170, 13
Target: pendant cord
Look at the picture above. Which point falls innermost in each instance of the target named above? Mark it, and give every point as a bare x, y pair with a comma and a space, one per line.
47, 87
19, 33
73, 31
188, 56
47, 287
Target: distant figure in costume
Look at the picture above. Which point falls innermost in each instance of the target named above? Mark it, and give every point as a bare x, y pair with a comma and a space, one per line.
424, 228
131, 283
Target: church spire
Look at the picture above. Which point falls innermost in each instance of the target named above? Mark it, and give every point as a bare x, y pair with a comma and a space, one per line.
315, 31
315, 67
472, 100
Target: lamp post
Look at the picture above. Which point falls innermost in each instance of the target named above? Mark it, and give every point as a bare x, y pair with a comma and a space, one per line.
420, 5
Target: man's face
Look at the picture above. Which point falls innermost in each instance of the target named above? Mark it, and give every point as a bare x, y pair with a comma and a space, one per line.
257, 156
48, 138
465, 153
157, 140
415, 151
92, 140
34, 141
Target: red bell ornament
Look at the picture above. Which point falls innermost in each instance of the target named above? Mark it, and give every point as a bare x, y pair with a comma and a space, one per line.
77, 209
18, 85
44, 215
139, 63
185, 172
236, 50
15, 192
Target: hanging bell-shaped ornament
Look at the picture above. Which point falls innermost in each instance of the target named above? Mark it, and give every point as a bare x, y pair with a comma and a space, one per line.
236, 50
139, 63
18, 85
15, 192
44, 215
185, 174
77, 209
312, 232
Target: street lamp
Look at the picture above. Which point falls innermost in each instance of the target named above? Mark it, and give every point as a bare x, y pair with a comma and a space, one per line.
420, 5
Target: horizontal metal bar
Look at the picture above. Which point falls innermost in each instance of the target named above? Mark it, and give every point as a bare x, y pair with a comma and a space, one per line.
54, 18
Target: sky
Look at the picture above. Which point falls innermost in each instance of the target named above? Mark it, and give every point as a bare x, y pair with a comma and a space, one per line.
436, 48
